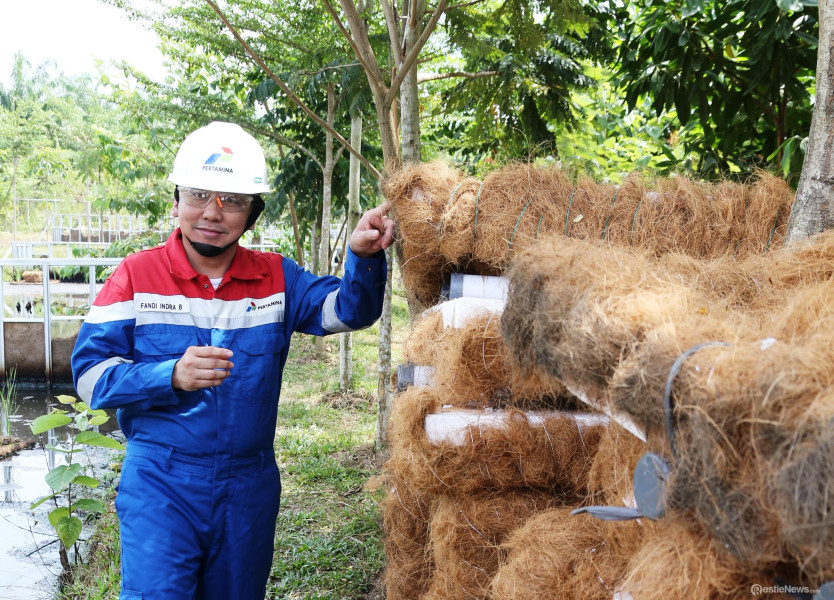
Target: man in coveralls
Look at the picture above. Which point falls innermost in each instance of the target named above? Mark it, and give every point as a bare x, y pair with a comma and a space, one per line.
188, 341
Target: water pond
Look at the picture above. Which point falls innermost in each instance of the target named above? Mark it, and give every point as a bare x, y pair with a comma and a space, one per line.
29, 561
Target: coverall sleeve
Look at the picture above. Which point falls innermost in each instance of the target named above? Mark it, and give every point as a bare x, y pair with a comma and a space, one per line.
103, 368
325, 305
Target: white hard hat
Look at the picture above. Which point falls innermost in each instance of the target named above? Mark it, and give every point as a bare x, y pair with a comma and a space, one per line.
221, 157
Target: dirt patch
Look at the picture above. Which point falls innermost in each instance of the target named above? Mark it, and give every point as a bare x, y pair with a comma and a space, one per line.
364, 458
10, 446
377, 591
351, 400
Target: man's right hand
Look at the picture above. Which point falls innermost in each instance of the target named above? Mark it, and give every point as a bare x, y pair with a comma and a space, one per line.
201, 367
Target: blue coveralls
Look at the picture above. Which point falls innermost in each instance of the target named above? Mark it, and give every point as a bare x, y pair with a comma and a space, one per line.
199, 490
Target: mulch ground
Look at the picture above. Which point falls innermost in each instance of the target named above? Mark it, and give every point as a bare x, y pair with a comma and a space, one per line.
10, 445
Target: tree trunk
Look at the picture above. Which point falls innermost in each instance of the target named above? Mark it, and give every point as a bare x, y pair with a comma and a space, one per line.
813, 207
314, 236
385, 100
384, 390
327, 186
14, 199
354, 214
296, 233
410, 93
327, 196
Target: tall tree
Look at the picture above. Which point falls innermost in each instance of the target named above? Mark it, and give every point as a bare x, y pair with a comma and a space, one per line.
736, 72
813, 207
521, 63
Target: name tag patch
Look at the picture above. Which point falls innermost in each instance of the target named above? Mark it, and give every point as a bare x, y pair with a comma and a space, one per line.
162, 304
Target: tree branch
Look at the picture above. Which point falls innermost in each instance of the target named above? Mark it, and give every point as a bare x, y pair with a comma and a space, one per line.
413, 53
393, 30
281, 139
436, 76
463, 5
290, 93
369, 63
333, 68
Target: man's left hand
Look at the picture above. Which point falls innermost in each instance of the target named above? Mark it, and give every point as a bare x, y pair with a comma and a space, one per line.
374, 232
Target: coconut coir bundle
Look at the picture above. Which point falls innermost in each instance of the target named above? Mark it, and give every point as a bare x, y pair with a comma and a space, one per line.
578, 310
448, 222
406, 515
752, 421
677, 561
750, 417
554, 457
473, 367
612, 321
610, 478
570, 557
418, 195
467, 534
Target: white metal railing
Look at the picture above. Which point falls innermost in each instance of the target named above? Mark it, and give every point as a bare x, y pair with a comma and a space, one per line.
45, 265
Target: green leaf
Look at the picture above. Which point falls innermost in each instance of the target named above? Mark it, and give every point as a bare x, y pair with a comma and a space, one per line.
89, 482
789, 5
94, 438
50, 421
787, 154
89, 505
81, 406
60, 477
41, 501
55, 516
81, 421
64, 450
64, 399
99, 420
68, 528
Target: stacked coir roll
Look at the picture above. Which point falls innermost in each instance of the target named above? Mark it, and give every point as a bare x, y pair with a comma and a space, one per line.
615, 294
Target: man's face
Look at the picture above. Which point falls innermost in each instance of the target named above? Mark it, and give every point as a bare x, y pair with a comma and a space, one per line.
212, 223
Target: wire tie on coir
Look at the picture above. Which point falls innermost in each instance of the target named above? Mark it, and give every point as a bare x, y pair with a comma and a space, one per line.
567, 216
449, 201
743, 222
650, 481
509, 245
667, 396
770, 237
478, 197
539, 225
634, 219
611, 208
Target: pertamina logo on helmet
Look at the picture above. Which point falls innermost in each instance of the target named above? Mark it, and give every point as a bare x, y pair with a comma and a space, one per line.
219, 161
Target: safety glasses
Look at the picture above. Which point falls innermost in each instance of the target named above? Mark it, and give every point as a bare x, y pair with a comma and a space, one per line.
230, 203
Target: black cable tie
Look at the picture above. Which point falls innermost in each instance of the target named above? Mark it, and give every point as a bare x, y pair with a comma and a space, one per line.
667, 397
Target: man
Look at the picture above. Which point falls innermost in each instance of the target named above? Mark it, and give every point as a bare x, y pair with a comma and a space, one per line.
188, 341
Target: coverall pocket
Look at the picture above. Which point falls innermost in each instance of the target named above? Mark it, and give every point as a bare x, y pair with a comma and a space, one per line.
162, 343
262, 353
129, 595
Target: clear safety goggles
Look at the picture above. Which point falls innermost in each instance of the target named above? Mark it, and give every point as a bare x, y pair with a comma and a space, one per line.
230, 203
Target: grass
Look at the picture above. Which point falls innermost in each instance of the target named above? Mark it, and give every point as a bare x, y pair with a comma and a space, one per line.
8, 407
328, 543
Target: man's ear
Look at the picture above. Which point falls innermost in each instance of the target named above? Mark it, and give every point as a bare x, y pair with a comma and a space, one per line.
176, 206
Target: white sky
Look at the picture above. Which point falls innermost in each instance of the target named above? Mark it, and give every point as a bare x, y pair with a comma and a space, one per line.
73, 33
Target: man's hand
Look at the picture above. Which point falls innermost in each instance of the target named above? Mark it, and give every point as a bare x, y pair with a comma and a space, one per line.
374, 232
201, 367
